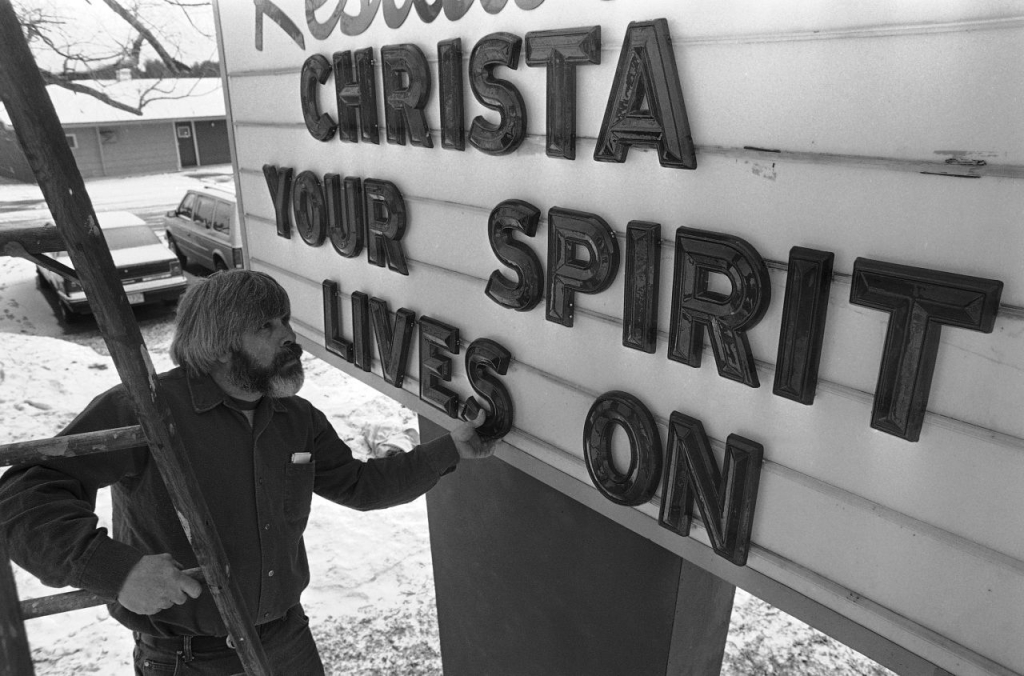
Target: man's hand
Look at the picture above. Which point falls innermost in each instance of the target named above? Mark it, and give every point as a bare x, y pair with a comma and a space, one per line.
156, 583
468, 442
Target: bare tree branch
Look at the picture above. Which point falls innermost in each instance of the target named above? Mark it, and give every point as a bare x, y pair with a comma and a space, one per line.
51, 32
69, 56
173, 64
136, 52
72, 85
191, 5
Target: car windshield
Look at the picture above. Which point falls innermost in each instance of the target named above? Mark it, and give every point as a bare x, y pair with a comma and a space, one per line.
129, 237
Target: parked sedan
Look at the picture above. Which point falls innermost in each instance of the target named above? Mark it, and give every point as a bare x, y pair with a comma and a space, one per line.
149, 271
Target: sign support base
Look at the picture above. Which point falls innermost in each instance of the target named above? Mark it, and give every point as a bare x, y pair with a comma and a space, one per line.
530, 581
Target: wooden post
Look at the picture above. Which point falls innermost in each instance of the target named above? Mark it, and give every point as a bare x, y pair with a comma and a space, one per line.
15, 656
42, 140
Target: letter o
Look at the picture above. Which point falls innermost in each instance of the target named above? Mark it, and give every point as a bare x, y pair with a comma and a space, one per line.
310, 208
638, 484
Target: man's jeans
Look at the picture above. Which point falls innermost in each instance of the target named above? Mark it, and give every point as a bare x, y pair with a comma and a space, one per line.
287, 642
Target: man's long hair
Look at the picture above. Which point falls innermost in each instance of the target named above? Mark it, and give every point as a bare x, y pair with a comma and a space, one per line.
216, 311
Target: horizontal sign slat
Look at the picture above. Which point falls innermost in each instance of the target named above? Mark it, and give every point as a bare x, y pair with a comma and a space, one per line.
951, 224
741, 95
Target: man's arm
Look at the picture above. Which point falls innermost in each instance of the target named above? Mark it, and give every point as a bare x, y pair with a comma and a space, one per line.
384, 482
47, 510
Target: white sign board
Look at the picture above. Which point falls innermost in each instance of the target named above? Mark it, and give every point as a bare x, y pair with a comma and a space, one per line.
639, 233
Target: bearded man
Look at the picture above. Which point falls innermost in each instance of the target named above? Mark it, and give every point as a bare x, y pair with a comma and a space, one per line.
259, 453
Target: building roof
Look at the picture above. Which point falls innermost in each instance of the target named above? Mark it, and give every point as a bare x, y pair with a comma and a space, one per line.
168, 99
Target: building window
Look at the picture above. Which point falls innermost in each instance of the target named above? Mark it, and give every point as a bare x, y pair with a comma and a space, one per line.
72, 140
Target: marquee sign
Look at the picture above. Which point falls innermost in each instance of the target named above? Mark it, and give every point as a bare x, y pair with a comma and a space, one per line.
724, 272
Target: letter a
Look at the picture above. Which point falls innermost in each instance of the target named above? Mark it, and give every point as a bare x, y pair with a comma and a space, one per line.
645, 106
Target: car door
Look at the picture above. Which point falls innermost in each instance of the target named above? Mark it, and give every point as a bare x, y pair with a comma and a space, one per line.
206, 208
180, 227
220, 233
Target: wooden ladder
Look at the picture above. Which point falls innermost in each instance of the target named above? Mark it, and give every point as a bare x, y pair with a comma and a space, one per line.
42, 138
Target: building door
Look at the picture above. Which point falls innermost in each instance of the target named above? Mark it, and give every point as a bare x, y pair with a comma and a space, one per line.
212, 141
186, 144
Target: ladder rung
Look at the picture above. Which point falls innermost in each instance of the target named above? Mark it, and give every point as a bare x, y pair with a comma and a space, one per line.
58, 603
75, 600
16, 249
35, 239
102, 441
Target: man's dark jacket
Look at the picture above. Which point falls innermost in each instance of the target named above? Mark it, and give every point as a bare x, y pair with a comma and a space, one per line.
260, 499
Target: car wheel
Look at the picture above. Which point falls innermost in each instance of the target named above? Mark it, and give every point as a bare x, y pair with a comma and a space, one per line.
67, 315
173, 246
219, 264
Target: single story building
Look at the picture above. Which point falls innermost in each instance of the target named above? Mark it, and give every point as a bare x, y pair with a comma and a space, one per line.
182, 126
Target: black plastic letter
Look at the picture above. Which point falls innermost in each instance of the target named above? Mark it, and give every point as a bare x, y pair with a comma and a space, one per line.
568, 272
358, 350
356, 92
453, 116
638, 483
385, 224
403, 105
362, 348
280, 183
310, 209
727, 317
645, 105
332, 322
394, 338
726, 498
643, 276
315, 72
803, 324
507, 217
482, 356
497, 49
344, 214
561, 51
436, 336
919, 303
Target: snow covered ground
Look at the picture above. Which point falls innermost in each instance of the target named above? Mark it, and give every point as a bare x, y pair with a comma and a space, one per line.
371, 599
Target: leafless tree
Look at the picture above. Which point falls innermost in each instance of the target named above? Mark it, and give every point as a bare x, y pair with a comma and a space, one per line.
71, 55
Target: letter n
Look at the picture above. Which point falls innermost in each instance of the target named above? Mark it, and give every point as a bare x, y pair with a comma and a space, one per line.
726, 498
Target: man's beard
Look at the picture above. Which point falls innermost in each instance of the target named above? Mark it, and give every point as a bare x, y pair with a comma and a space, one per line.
281, 379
